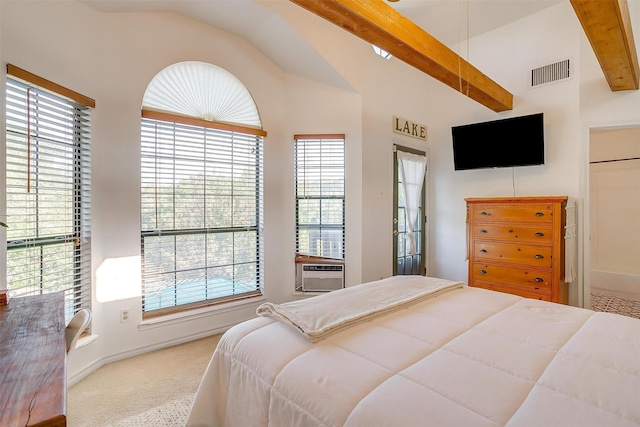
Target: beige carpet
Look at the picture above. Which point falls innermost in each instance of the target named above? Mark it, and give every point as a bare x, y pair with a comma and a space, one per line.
153, 389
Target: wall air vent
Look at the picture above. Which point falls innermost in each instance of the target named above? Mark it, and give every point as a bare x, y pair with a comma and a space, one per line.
552, 73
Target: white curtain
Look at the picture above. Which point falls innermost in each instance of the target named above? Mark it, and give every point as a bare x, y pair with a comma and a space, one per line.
412, 168
570, 272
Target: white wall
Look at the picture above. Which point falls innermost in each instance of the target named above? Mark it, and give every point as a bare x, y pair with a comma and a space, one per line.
112, 58
118, 54
393, 88
614, 192
303, 100
506, 55
600, 108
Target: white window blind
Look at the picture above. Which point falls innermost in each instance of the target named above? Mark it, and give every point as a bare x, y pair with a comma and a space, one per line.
48, 194
320, 201
201, 215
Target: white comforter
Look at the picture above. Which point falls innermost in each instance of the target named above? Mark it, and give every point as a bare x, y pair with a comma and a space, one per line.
467, 357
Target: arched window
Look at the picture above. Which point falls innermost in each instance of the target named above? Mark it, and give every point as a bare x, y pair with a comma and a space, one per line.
201, 189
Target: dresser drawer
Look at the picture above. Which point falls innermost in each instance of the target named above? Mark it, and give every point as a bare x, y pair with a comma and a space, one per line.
537, 213
514, 233
540, 295
523, 278
529, 255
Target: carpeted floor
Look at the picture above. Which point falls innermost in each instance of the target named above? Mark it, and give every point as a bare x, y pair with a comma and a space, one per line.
154, 389
616, 304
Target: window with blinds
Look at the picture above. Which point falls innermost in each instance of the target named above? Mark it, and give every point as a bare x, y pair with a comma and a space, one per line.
320, 201
201, 215
48, 194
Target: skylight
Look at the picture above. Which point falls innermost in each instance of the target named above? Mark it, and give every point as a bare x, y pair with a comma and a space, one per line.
383, 53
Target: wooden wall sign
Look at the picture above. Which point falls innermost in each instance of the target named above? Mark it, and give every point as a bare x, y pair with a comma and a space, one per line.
409, 128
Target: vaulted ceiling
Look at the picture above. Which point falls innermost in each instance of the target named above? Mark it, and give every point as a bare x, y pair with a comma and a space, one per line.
379, 24
258, 22
418, 32
605, 22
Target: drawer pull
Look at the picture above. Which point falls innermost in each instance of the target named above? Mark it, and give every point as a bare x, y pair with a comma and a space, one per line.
485, 213
484, 231
537, 279
538, 256
539, 213
483, 271
538, 234
484, 251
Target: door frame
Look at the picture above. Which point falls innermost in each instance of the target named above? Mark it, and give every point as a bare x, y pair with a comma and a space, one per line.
423, 268
584, 225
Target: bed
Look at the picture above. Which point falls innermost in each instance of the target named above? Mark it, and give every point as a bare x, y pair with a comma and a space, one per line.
416, 351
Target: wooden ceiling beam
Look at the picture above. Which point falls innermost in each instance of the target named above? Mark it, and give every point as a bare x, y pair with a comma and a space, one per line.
608, 27
379, 24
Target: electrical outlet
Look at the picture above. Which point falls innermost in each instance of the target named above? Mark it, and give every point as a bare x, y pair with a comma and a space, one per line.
124, 315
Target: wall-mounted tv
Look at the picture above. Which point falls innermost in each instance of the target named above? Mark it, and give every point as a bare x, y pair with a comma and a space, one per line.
516, 141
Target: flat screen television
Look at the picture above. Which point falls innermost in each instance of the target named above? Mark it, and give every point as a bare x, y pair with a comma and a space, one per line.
516, 141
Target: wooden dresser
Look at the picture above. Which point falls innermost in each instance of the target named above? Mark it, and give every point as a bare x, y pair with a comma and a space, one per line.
516, 245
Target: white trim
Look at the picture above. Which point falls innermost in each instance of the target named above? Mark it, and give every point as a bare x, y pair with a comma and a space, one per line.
86, 340
306, 294
142, 350
199, 313
162, 321
84, 372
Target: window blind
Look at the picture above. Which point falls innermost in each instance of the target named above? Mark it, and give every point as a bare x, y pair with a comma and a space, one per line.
201, 214
48, 167
320, 195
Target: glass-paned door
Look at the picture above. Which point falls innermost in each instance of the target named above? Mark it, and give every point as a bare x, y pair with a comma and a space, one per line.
407, 258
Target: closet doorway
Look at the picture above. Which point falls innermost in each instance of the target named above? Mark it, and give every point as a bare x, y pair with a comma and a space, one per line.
614, 214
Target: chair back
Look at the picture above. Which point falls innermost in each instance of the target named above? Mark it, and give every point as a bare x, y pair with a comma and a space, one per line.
75, 327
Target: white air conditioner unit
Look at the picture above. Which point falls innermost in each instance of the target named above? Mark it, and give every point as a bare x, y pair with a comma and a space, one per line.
322, 277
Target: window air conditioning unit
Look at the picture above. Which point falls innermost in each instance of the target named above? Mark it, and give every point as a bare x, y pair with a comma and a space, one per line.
322, 277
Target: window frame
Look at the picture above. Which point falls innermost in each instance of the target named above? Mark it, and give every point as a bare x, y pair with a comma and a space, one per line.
301, 195
183, 122
54, 156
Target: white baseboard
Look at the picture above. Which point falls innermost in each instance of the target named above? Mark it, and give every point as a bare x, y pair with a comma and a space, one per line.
87, 370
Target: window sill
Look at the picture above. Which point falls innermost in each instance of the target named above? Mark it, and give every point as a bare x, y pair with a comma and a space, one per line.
308, 294
198, 313
86, 340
